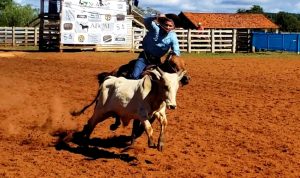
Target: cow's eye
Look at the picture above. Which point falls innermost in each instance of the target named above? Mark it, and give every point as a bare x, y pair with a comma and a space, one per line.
166, 87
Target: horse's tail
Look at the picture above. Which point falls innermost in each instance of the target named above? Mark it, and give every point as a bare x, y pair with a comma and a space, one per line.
77, 113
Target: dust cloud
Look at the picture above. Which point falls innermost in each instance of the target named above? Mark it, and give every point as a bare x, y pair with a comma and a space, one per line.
9, 128
59, 120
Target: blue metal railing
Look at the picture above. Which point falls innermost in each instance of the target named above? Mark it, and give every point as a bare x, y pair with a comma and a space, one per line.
278, 42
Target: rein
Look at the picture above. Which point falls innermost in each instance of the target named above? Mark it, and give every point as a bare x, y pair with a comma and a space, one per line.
168, 60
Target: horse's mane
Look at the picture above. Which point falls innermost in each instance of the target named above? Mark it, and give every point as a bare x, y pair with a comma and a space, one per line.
172, 63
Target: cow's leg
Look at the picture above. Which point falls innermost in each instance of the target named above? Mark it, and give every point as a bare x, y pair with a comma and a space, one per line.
149, 131
94, 120
117, 123
138, 129
163, 122
89, 127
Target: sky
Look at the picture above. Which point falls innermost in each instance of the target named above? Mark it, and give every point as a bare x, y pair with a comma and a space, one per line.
215, 6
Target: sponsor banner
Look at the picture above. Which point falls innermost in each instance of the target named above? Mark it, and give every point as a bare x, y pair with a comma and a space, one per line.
94, 22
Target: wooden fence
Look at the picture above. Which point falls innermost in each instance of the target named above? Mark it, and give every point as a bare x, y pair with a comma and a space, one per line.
19, 36
189, 40
197, 41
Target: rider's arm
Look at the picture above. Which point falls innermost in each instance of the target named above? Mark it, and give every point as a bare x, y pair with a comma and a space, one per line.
150, 23
175, 44
153, 22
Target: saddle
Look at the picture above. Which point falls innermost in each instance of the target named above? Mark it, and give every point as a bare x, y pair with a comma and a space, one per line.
127, 69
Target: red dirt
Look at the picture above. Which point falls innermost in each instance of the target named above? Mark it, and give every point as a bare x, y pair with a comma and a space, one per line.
237, 118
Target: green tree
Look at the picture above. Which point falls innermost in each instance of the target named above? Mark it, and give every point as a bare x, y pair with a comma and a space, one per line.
254, 9
288, 22
4, 3
16, 15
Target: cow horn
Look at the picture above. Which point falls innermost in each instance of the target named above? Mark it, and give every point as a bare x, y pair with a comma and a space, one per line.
160, 71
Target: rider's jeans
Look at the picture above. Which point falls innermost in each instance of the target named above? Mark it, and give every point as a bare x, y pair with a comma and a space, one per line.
139, 66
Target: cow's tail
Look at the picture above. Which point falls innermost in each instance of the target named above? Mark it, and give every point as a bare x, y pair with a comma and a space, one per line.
77, 113
102, 76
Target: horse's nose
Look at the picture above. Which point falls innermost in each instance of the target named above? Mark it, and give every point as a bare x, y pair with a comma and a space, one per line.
185, 80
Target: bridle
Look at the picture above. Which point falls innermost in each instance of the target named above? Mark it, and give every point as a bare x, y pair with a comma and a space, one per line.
168, 62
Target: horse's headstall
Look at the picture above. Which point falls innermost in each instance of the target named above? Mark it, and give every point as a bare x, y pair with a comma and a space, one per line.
185, 80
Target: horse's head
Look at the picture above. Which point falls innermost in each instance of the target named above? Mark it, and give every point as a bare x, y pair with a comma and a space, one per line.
173, 64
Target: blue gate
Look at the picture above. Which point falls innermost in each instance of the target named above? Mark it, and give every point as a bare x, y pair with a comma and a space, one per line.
275, 41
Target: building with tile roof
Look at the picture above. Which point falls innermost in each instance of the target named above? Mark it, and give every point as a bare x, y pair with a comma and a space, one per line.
243, 23
237, 21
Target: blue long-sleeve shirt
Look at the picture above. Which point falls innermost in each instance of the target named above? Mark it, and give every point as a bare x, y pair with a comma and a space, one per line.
156, 42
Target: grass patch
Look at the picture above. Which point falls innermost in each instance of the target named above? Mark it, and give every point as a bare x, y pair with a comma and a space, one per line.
262, 55
201, 55
19, 48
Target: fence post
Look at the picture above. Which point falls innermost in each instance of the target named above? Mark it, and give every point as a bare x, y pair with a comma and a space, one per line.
234, 40
212, 41
189, 41
5, 36
13, 36
282, 42
298, 42
35, 36
133, 40
249, 42
268, 41
26, 36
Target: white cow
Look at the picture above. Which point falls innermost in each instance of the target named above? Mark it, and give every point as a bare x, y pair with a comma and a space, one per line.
136, 99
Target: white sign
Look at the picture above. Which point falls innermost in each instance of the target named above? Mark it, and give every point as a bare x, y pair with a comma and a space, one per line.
94, 22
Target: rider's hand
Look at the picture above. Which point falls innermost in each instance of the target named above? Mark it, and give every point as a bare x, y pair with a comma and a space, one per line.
161, 15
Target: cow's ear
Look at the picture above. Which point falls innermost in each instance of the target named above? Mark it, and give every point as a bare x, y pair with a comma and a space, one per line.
147, 84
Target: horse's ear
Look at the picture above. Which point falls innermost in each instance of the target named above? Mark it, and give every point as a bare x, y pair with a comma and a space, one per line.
180, 74
160, 71
172, 53
155, 74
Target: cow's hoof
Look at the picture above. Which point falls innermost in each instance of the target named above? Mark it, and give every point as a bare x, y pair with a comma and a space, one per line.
160, 147
79, 139
61, 146
126, 149
151, 145
114, 127
77, 135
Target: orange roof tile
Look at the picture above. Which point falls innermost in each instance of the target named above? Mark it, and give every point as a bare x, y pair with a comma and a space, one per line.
231, 20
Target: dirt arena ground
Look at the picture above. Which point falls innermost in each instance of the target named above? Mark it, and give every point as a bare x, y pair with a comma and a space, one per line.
239, 117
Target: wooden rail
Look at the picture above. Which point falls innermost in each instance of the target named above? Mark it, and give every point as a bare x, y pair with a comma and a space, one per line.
189, 40
19, 36
198, 41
